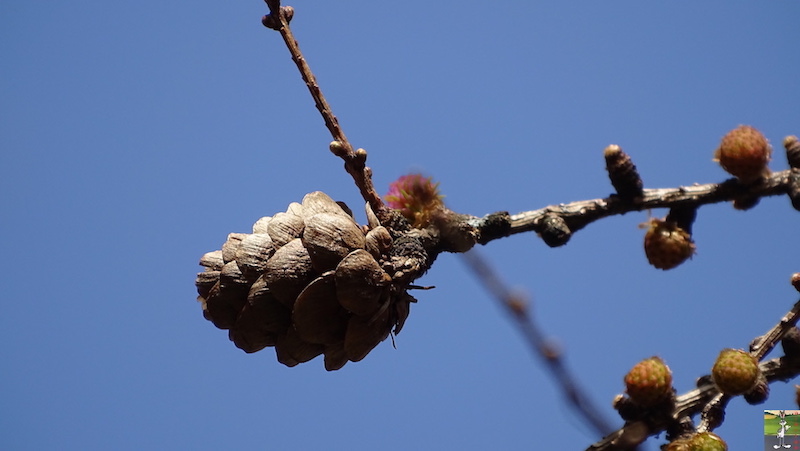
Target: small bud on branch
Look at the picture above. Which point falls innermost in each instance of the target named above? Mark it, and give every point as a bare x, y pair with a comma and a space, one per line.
792, 146
622, 173
278, 20
274, 22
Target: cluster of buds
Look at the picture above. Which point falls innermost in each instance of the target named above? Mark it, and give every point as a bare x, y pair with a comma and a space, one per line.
744, 152
311, 281
667, 242
650, 394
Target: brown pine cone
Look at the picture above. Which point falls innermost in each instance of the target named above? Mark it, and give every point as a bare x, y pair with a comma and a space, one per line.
311, 281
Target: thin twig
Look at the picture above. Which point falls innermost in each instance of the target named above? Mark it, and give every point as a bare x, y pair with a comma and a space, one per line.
517, 308
354, 160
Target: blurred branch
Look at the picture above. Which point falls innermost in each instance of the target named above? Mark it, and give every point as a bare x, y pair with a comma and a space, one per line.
354, 160
517, 308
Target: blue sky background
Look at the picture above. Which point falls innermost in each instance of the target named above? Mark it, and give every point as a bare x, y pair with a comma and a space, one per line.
134, 136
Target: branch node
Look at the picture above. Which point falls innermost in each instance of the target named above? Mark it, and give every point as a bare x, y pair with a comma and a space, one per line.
493, 226
517, 305
554, 230
273, 21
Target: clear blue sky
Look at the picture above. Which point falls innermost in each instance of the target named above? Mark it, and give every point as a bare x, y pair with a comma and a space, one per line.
134, 136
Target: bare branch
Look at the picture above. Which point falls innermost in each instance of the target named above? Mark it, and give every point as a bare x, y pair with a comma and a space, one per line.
354, 160
579, 214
